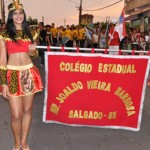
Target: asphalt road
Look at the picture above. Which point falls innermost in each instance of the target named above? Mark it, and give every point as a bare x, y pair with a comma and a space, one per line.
59, 137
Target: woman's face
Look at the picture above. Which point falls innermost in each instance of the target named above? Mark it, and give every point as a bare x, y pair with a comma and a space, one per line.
18, 17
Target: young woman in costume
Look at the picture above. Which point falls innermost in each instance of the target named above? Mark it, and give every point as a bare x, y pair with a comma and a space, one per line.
20, 79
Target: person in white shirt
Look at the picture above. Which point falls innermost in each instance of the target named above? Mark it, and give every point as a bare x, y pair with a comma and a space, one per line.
95, 39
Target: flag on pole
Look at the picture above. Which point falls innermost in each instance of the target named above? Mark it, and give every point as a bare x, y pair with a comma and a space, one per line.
88, 34
121, 27
107, 29
91, 26
65, 40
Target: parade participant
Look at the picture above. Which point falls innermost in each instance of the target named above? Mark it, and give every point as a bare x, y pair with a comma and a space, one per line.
135, 39
142, 42
54, 34
95, 39
113, 35
102, 38
97, 27
20, 79
76, 35
147, 40
68, 33
81, 36
48, 35
3, 26
42, 42
61, 35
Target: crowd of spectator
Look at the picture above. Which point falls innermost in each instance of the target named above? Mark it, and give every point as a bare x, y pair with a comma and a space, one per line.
76, 36
136, 40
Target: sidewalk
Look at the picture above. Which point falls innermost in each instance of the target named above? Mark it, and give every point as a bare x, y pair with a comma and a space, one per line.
59, 137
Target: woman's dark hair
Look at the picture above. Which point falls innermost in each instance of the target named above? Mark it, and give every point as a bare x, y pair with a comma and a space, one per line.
2, 24
11, 29
42, 23
48, 26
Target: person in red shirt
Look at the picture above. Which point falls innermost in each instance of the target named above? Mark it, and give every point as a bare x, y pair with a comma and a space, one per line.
113, 35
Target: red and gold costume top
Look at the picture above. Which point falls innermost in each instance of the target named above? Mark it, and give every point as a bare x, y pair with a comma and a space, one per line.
22, 41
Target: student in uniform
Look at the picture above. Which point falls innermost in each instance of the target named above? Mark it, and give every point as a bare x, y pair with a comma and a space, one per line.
20, 79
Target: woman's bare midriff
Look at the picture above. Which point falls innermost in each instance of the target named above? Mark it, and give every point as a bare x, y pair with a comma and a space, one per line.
19, 59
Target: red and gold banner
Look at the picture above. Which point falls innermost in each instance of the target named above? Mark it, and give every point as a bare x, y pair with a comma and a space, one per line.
95, 90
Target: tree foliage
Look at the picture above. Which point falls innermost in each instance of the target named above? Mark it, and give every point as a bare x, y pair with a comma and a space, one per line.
32, 21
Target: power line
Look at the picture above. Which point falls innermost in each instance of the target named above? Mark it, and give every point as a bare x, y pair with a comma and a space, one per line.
79, 8
74, 2
104, 7
96, 3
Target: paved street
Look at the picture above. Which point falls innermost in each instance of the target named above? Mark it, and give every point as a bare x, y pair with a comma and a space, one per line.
59, 137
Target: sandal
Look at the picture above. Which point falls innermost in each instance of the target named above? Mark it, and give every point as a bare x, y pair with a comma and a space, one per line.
26, 148
17, 148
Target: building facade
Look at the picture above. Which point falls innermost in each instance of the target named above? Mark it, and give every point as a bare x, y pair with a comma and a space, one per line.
86, 19
139, 14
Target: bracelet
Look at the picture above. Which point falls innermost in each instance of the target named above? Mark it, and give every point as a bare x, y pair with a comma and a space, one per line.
35, 54
4, 85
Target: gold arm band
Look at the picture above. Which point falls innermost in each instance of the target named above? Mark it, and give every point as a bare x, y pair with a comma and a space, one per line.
3, 73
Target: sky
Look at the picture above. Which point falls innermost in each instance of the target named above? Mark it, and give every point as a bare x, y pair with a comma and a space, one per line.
59, 10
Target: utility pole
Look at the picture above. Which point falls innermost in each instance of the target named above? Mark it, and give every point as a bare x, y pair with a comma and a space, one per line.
2, 11
80, 11
79, 8
43, 19
65, 23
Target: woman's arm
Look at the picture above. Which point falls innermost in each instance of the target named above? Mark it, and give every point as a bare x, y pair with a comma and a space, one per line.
3, 53
3, 70
33, 52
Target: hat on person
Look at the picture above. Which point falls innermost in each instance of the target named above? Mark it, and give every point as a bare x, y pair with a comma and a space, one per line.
15, 5
113, 21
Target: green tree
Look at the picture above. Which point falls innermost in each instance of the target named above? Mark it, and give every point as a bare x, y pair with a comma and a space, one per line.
32, 21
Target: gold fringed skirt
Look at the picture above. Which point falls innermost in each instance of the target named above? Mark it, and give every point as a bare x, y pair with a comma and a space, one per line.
23, 80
